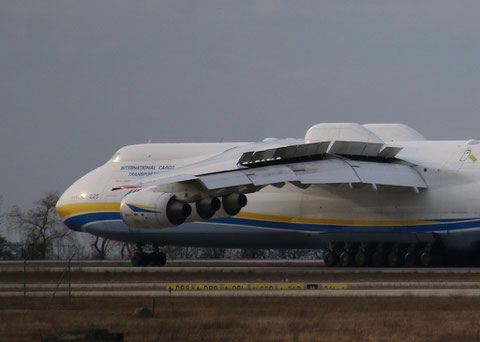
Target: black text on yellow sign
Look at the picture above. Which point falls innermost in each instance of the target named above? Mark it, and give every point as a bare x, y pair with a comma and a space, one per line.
179, 286
207, 286
264, 286
291, 286
235, 286
334, 286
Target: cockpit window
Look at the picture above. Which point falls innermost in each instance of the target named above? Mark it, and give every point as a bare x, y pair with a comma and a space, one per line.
116, 157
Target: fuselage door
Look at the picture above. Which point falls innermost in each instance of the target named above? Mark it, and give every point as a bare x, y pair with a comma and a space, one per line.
466, 155
469, 160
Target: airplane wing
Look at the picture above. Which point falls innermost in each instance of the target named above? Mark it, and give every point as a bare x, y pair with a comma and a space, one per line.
165, 201
337, 162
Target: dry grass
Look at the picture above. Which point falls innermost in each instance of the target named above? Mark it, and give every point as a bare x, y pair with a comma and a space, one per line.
250, 319
246, 318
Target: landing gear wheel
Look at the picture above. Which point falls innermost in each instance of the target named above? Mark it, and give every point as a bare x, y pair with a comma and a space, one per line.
360, 259
158, 259
377, 259
426, 259
393, 258
410, 259
345, 259
330, 258
140, 259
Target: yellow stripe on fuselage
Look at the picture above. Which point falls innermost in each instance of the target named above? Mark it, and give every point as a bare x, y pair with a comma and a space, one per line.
78, 208
280, 218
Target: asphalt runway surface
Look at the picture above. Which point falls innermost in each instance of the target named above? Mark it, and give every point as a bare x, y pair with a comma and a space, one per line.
422, 282
259, 293
261, 266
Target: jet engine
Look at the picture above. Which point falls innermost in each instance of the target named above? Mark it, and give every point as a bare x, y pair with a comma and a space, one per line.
152, 209
207, 207
233, 203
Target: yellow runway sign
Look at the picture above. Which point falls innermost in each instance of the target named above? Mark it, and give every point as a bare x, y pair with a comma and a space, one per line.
235, 286
264, 286
207, 286
291, 286
179, 286
334, 286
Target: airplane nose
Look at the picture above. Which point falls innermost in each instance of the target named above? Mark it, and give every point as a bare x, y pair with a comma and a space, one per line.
75, 204
61, 206
66, 210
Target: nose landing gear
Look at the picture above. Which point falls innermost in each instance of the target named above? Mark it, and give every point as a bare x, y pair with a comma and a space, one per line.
143, 259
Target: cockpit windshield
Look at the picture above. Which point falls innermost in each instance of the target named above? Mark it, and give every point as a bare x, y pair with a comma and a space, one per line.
116, 157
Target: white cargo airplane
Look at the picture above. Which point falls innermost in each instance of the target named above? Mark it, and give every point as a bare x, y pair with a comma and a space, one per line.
378, 194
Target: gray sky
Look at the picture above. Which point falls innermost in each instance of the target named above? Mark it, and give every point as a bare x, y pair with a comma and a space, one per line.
79, 79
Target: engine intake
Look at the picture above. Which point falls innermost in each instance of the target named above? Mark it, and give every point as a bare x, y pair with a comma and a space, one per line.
151, 209
207, 207
233, 203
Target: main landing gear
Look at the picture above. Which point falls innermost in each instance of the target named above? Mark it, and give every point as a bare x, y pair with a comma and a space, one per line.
141, 258
382, 254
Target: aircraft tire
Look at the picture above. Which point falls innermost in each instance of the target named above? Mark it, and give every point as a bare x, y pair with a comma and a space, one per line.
140, 259
394, 258
158, 259
426, 259
345, 259
378, 259
361, 258
409, 259
330, 258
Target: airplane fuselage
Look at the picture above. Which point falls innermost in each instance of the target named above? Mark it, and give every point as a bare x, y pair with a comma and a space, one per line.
292, 216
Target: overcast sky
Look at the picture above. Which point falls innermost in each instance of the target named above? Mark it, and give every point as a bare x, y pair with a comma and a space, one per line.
79, 79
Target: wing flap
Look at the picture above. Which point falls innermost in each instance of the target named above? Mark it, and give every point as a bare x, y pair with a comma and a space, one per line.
270, 175
387, 174
355, 148
328, 171
389, 152
224, 180
283, 154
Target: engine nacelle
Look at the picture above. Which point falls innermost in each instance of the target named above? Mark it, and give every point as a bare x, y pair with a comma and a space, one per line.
207, 207
151, 209
233, 203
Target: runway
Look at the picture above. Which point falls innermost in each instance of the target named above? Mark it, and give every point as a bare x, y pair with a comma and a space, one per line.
243, 278
227, 266
112, 287
253, 293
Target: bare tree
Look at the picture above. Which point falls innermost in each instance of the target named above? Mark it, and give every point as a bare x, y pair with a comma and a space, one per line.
2, 215
175, 253
289, 253
41, 226
253, 253
101, 247
128, 248
213, 253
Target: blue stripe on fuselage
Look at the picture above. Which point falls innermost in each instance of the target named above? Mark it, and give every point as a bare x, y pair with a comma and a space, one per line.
78, 221
441, 226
